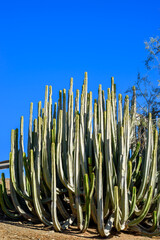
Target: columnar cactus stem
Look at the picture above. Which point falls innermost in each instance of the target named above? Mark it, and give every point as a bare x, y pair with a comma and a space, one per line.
49, 127
82, 136
56, 223
89, 126
77, 177
64, 131
85, 84
77, 101
30, 129
35, 192
59, 157
103, 230
39, 148
45, 163
88, 197
39, 109
129, 174
95, 134
117, 217
133, 202
146, 164
145, 209
100, 112
70, 141
113, 120
119, 113
108, 154
20, 159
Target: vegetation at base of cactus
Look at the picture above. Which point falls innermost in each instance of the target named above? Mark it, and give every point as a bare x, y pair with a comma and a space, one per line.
5, 195
8, 213
83, 164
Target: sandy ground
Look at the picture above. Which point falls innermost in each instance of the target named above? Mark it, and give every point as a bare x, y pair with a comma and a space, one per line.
23, 231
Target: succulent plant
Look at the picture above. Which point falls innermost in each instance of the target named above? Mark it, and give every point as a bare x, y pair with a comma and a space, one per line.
73, 173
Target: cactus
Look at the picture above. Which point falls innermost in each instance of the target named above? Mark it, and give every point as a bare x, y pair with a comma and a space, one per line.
98, 174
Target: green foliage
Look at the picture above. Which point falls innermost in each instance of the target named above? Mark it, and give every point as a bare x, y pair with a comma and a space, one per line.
147, 88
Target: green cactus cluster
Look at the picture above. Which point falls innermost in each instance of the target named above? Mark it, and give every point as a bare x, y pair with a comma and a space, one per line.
84, 164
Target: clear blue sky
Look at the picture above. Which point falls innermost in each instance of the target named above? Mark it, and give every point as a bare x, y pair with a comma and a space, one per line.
47, 42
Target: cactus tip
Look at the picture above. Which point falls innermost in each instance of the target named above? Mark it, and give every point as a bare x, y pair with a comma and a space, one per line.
120, 97
86, 75
133, 88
